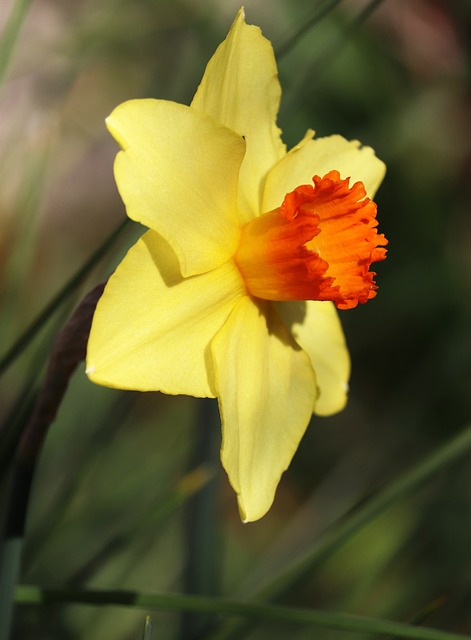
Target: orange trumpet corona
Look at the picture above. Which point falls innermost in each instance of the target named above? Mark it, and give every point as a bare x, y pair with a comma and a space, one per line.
318, 245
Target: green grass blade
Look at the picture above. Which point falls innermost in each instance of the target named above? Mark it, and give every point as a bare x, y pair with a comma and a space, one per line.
339, 534
201, 575
315, 18
32, 595
322, 64
23, 341
10, 34
398, 489
10, 558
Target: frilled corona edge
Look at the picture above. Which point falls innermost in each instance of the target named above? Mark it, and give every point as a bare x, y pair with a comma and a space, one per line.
318, 245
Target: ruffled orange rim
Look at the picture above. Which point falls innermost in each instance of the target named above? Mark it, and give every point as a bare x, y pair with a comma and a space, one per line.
318, 245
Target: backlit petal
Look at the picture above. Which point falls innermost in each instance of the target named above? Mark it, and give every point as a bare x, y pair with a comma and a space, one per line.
240, 88
266, 388
152, 328
317, 329
178, 174
318, 157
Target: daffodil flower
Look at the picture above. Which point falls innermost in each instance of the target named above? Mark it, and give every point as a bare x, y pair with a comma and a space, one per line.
231, 291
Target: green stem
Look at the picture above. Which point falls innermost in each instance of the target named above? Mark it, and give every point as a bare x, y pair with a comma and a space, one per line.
10, 34
339, 534
69, 349
316, 71
392, 493
201, 575
17, 418
10, 356
318, 14
32, 595
10, 559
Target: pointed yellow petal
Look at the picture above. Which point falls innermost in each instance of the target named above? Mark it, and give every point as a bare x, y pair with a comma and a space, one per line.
240, 88
178, 175
318, 157
152, 328
317, 329
266, 388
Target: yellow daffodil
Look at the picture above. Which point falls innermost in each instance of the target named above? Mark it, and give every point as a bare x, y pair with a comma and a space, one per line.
231, 292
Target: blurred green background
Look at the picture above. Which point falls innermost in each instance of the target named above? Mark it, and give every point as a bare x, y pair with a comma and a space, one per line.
114, 502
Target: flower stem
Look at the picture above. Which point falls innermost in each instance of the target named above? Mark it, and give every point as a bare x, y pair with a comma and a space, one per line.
69, 349
317, 15
201, 571
255, 611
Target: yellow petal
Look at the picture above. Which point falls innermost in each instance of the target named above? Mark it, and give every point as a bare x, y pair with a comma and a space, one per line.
152, 328
318, 157
266, 388
240, 88
178, 175
317, 329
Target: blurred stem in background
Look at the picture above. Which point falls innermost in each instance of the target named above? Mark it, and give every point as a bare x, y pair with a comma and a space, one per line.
202, 548
58, 300
309, 23
10, 34
256, 612
69, 349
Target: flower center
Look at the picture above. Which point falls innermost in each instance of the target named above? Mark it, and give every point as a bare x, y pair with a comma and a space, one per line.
319, 245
